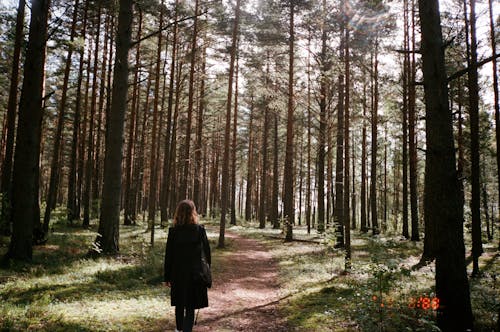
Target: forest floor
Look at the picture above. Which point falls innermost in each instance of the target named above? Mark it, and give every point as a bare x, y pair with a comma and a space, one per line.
246, 291
260, 284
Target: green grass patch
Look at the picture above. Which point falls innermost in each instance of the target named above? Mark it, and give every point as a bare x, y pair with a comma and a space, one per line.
379, 294
63, 290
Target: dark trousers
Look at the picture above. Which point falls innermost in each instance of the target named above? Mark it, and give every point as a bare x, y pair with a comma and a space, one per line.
184, 322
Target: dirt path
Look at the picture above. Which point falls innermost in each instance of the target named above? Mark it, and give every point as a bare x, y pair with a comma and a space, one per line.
245, 293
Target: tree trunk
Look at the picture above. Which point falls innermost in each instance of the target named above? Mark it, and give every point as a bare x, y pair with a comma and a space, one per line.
75, 173
57, 151
406, 82
198, 184
225, 161
364, 226
265, 166
90, 145
477, 247
164, 194
153, 172
250, 166
324, 67
373, 175
6, 183
339, 168
25, 206
129, 212
445, 216
347, 178
309, 134
108, 238
234, 142
183, 193
275, 198
496, 105
412, 136
288, 176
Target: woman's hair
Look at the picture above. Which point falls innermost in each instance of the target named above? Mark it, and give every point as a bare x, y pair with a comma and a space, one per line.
185, 213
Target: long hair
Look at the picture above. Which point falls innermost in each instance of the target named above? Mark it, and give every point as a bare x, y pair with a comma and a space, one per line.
185, 213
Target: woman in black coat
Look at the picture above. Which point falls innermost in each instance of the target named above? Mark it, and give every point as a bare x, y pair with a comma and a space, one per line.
186, 240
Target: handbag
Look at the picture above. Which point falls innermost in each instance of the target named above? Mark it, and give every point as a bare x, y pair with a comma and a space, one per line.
205, 275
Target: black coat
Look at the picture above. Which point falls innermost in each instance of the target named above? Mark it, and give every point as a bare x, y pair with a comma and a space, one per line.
183, 262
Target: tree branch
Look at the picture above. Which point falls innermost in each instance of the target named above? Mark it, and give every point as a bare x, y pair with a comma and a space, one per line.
466, 70
152, 34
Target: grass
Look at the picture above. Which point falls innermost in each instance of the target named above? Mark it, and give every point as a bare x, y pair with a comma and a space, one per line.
63, 290
379, 293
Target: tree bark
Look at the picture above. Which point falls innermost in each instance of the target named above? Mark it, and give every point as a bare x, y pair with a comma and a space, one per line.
339, 168
477, 247
234, 141
412, 136
6, 183
347, 178
496, 105
129, 212
153, 165
250, 166
57, 151
444, 216
373, 175
25, 207
164, 194
288, 176
225, 161
90, 145
364, 226
183, 192
108, 239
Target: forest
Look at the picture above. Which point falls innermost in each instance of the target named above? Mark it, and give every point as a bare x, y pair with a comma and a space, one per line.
343, 156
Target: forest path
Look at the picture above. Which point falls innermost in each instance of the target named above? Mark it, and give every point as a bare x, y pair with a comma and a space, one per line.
245, 292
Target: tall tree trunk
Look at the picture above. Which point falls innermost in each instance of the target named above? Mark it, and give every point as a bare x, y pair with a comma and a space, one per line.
406, 82
90, 145
264, 175
477, 247
108, 239
26, 157
250, 165
445, 216
386, 142
288, 176
164, 193
339, 168
225, 161
75, 174
153, 172
309, 134
347, 178
96, 173
496, 102
56, 153
324, 67
129, 215
6, 183
364, 226
412, 137
183, 193
198, 183
234, 142
373, 175
275, 198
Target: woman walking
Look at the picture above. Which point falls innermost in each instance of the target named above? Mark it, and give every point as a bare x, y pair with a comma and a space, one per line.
186, 241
